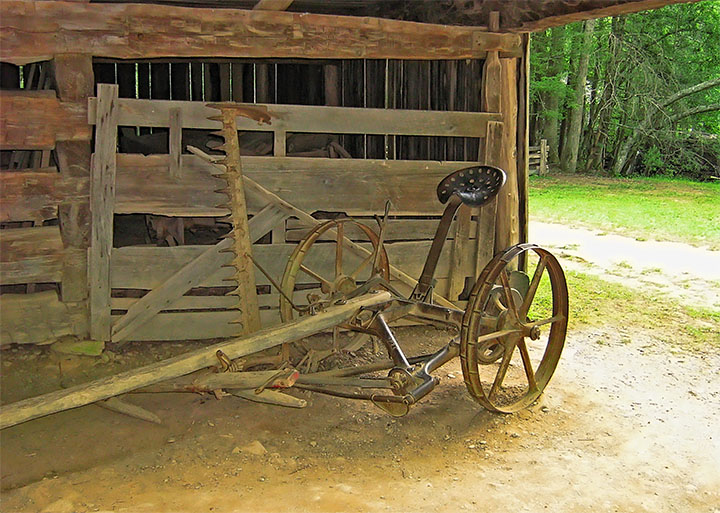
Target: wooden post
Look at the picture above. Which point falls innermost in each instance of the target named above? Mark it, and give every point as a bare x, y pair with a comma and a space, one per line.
523, 143
543, 157
490, 153
175, 142
102, 204
75, 81
117, 384
507, 230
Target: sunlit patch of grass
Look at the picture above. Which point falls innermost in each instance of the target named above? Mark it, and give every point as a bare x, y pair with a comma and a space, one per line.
596, 302
644, 208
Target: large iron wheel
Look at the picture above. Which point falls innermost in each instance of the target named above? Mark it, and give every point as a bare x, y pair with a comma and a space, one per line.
514, 329
330, 270
322, 269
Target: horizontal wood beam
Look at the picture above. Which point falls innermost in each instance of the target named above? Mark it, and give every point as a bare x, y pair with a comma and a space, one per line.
355, 186
30, 255
33, 31
147, 267
35, 120
309, 119
35, 195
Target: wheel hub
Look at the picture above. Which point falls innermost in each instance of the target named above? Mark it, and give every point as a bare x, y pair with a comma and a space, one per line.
344, 284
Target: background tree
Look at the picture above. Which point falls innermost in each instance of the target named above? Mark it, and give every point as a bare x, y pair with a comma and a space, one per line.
632, 94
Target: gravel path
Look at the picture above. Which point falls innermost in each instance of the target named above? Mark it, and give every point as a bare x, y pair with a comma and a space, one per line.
687, 273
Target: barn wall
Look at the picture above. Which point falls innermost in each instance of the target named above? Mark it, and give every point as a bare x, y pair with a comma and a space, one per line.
46, 152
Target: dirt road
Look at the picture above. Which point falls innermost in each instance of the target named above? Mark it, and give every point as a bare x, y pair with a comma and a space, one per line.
684, 272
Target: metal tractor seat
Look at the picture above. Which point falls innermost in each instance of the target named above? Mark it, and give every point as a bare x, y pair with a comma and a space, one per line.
474, 185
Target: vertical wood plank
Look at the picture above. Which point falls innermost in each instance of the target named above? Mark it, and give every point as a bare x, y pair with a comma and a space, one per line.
262, 83
507, 230
175, 142
102, 203
224, 81
75, 81
523, 145
486, 220
280, 143
237, 69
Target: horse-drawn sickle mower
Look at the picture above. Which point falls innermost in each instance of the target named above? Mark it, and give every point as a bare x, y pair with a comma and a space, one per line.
509, 337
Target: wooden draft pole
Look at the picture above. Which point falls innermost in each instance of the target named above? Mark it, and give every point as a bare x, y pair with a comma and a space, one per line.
111, 386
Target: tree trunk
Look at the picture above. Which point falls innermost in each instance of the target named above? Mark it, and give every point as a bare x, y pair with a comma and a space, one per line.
634, 139
550, 117
608, 100
575, 125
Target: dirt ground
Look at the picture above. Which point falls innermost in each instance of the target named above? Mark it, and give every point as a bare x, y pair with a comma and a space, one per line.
625, 425
628, 424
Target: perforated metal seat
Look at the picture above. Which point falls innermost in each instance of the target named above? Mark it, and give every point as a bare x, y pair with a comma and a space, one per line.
475, 185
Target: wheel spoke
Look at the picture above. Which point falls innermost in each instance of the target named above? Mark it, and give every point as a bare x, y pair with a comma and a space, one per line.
502, 370
494, 335
527, 363
315, 275
339, 248
555, 318
508, 293
362, 266
530, 295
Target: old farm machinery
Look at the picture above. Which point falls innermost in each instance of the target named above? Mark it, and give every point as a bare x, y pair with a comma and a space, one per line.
511, 333
509, 337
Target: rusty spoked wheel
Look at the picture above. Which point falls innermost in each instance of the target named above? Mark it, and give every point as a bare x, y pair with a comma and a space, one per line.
323, 266
323, 269
514, 329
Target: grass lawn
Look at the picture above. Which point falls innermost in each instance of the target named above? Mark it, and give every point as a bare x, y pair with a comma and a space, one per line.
644, 208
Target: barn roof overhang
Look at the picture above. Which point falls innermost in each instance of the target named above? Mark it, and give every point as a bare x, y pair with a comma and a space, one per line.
515, 15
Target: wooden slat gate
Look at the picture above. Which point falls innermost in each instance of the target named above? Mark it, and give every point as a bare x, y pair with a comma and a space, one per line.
282, 191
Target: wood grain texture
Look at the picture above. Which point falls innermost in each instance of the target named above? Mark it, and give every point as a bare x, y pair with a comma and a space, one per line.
104, 29
144, 185
146, 267
102, 204
35, 120
117, 384
309, 118
38, 318
30, 255
75, 82
29, 195
507, 231
191, 275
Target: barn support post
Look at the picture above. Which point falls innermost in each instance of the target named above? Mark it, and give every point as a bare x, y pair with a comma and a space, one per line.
75, 80
523, 144
102, 206
507, 230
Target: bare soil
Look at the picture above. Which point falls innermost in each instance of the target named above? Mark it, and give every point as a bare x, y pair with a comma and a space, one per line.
626, 425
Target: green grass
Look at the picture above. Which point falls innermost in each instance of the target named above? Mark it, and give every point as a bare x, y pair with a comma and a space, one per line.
644, 208
596, 302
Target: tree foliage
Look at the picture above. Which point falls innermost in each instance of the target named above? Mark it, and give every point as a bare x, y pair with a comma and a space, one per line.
642, 109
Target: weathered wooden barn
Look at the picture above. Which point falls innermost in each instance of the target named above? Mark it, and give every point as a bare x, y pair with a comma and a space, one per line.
112, 221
